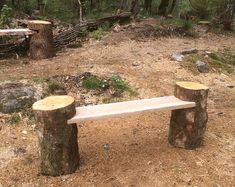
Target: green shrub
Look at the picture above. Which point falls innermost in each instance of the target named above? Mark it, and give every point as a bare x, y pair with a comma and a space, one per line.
187, 24
5, 15
118, 83
15, 118
94, 83
99, 33
202, 7
83, 32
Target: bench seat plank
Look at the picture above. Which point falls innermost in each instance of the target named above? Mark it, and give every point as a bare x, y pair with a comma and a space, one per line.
88, 113
14, 32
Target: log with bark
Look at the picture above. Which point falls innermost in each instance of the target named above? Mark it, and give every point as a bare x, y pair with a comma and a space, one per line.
41, 43
187, 126
58, 144
64, 38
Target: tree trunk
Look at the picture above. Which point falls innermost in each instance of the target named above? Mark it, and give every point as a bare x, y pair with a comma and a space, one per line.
148, 5
41, 43
187, 126
227, 17
59, 152
174, 2
135, 8
41, 7
2, 2
162, 10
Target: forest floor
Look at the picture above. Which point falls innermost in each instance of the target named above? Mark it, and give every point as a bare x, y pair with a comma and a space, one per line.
138, 152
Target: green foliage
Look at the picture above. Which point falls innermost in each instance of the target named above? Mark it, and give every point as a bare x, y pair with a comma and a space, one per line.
118, 83
222, 61
114, 82
53, 85
98, 34
94, 83
83, 32
202, 7
111, 100
15, 118
187, 24
5, 15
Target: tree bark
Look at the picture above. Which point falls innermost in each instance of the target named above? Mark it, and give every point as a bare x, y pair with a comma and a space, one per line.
57, 140
162, 10
227, 16
187, 126
2, 2
40, 7
41, 43
174, 2
135, 8
148, 5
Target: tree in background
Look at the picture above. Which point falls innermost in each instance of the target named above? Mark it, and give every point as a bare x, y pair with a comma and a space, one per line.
166, 7
148, 5
227, 15
2, 2
135, 8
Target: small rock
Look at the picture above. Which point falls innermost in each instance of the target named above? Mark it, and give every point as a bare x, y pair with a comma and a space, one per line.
220, 113
117, 28
199, 164
202, 67
24, 132
231, 86
188, 51
106, 147
15, 96
19, 151
135, 64
177, 57
208, 52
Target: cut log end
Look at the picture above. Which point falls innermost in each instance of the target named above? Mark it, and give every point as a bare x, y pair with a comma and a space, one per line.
53, 103
39, 22
191, 85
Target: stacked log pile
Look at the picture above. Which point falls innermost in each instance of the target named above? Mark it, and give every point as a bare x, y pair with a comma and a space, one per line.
64, 38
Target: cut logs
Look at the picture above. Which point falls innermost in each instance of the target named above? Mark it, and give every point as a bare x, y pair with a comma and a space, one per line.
187, 126
41, 43
58, 144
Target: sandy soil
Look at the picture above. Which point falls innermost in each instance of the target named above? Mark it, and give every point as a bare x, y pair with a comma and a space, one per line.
138, 154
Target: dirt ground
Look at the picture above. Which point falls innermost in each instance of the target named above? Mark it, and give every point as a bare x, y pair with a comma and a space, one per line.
138, 152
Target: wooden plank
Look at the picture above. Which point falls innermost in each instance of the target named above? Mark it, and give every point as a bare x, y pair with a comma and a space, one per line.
14, 32
88, 113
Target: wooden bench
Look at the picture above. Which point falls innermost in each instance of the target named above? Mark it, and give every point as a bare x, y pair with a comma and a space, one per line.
88, 113
57, 118
16, 32
41, 43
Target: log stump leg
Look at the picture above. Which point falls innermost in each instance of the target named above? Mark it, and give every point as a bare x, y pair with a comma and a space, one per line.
41, 43
58, 144
187, 126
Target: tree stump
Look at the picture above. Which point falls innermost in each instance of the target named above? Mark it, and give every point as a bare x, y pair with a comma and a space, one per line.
57, 140
41, 43
187, 126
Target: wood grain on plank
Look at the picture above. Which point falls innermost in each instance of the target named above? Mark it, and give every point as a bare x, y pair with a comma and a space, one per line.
89, 113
